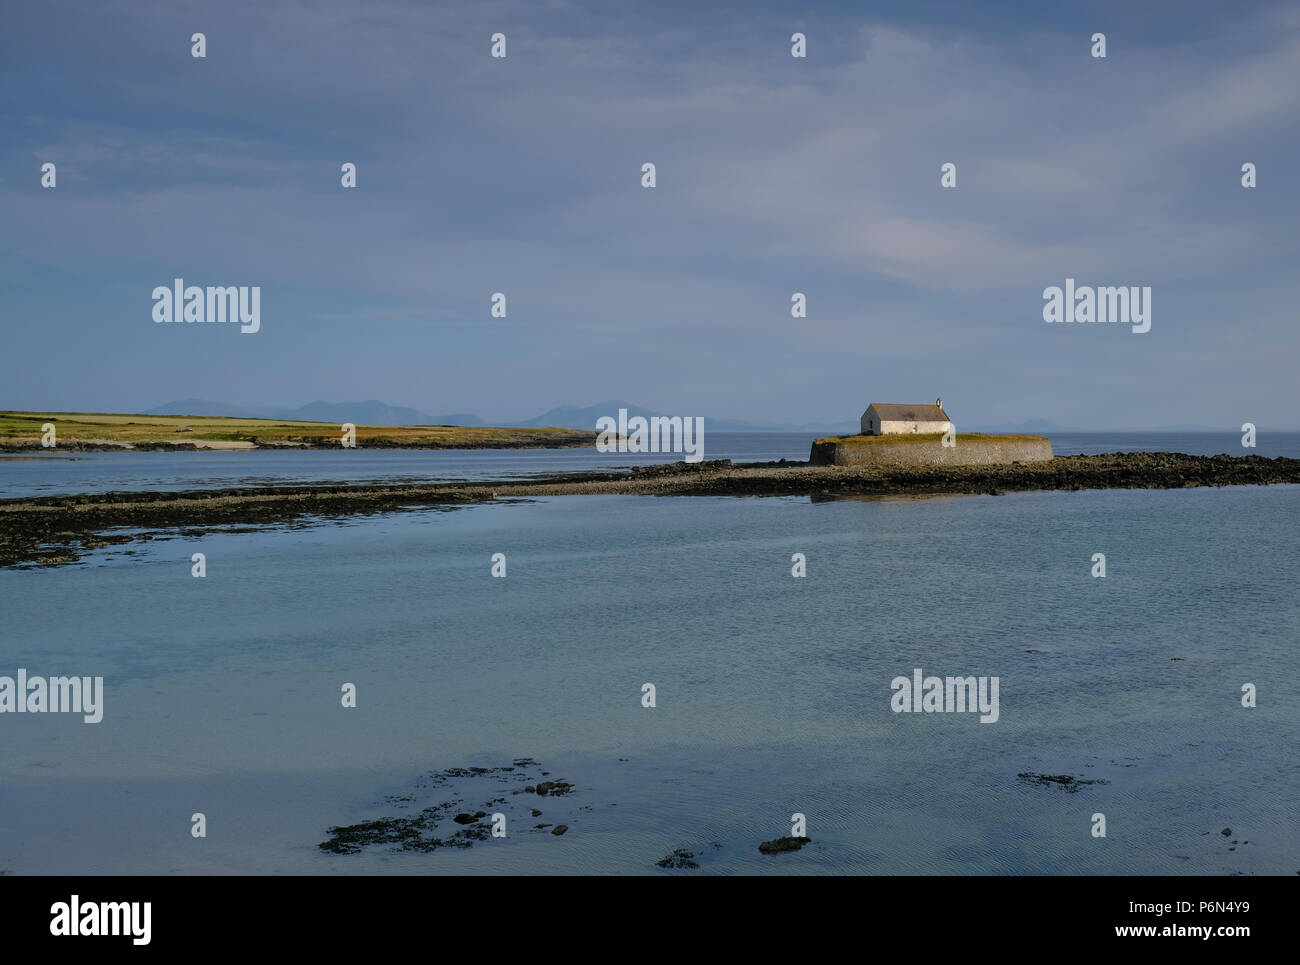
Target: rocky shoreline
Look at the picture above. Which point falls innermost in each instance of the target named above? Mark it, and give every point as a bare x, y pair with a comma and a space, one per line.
58, 529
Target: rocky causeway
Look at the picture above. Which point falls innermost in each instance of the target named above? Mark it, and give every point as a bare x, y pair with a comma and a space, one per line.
51, 530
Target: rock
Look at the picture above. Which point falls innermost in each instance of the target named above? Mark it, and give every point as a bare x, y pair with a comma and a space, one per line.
560, 829
421, 832
783, 844
554, 788
24, 523
680, 858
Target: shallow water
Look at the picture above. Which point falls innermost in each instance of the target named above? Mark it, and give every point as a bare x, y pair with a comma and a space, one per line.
773, 693
45, 474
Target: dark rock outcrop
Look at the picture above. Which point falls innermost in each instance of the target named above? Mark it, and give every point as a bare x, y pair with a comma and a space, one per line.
778, 845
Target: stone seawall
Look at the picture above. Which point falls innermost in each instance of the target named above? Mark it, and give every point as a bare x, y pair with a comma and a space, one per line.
969, 451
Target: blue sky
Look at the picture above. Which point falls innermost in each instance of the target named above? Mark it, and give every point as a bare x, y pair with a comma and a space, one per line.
775, 175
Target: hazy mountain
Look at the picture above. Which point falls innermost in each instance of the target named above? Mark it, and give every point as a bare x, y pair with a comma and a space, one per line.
1032, 427
376, 413
456, 419
585, 417
573, 417
1044, 427
370, 413
1196, 428
206, 407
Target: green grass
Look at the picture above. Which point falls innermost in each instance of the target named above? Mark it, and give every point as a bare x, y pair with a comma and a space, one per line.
920, 437
24, 428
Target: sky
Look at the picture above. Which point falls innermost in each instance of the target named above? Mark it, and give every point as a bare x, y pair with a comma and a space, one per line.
774, 175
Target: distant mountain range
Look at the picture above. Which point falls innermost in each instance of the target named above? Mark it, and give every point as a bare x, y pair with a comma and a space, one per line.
371, 413
585, 417
376, 413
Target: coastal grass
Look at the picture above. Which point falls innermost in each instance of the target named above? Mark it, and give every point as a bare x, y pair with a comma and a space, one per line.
23, 429
892, 439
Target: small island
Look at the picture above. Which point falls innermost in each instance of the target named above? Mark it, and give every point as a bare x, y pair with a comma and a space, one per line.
901, 453
922, 435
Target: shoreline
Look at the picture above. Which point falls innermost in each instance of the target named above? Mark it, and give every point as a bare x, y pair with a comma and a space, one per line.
27, 432
53, 530
580, 440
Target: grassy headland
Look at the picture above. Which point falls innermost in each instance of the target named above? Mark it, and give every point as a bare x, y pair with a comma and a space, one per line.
21, 431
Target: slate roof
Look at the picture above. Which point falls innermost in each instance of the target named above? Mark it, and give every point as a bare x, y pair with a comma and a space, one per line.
892, 412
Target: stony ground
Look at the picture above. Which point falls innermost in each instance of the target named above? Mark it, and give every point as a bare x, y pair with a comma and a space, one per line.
58, 529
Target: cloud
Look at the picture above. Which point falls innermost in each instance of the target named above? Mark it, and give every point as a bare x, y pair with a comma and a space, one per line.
775, 176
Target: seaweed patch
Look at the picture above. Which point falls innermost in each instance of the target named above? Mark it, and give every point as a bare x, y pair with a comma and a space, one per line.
1069, 783
445, 821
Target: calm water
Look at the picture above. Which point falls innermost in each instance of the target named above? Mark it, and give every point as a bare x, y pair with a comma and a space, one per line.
103, 471
773, 693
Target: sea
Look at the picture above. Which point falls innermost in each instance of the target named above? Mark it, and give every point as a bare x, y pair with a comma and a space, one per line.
659, 656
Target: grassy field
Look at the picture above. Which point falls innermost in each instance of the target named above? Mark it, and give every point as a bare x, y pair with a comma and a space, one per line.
921, 437
23, 430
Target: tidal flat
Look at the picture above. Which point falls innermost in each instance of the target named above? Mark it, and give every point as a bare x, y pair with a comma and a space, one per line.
222, 694
53, 530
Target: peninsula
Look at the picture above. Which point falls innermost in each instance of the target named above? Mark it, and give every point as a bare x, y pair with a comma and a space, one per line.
58, 529
111, 432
